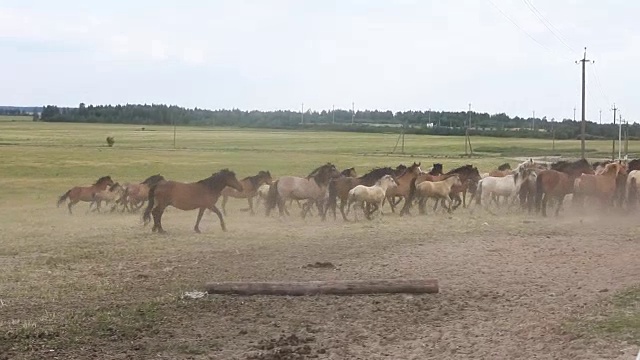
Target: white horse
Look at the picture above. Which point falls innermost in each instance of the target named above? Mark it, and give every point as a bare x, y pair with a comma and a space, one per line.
495, 187
372, 195
439, 190
633, 180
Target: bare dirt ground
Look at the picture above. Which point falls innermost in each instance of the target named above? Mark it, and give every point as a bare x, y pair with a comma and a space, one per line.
102, 286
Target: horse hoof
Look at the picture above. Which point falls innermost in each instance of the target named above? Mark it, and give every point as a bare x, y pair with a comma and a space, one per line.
197, 231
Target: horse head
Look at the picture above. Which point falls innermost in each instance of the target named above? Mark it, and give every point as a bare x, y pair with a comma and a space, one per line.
104, 181
223, 177
350, 172
436, 169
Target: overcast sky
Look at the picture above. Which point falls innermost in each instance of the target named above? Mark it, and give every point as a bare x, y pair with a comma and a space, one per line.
277, 54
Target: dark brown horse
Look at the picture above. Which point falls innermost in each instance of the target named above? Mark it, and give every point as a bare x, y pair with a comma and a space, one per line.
85, 193
250, 186
199, 195
339, 187
557, 182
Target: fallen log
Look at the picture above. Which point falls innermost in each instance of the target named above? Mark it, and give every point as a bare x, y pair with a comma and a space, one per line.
330, 287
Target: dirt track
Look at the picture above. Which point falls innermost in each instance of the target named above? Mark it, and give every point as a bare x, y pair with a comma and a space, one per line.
102, 286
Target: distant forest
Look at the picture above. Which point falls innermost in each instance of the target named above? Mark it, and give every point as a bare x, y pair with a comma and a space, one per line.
415, 122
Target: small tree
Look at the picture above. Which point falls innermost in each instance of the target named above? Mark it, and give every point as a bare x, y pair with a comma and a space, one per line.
110, 141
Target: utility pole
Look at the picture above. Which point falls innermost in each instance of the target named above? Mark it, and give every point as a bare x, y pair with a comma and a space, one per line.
553, 135
574, 113
626, 139
620, 138
583, 124
302, 115
333, 114
429, 119
353, 112
601, 117
174, 132
467, 139
613, 142
533, 119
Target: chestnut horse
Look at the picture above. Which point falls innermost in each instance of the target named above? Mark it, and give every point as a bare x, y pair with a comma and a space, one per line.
85, 193
199, 195
557, 182
469, 177
312, 187
250, 186
403, 187
339, 187
601, 185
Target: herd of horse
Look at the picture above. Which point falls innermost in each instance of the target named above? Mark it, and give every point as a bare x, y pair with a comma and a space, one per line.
530, 185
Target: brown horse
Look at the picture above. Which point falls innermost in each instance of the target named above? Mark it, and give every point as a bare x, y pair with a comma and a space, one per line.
339, 187
557, 182
601, 185
403, 187
527, 192
312, 187
136, 194
85, 193
199, 195
469, 177
250, 186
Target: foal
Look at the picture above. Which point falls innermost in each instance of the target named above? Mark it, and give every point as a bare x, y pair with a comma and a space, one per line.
372, 195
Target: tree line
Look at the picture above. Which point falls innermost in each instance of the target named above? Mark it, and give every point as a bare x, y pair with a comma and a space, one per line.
414, 122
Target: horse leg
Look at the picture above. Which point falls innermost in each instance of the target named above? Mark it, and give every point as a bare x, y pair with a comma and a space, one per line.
250, 201
450, 201
222, 224
464, 199
543, 205
342, 204
560, 200
224, 204
197, 227
71, 203
157, 220
393, 207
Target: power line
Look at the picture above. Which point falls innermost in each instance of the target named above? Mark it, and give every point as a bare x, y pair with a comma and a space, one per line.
598, 83
548, 25
525, 32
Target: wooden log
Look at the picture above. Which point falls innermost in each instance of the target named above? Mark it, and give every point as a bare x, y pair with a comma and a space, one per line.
330, 287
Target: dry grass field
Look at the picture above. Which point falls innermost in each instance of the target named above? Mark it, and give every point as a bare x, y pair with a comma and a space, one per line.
513, 285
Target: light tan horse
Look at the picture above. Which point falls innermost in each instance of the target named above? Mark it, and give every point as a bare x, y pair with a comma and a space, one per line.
84, 193
439, 190
250, 186
110, 195
312, 187
371, 195
199, 195
136, 194
601, 186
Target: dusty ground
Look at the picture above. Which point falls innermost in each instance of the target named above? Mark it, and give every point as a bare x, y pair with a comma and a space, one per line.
102, 286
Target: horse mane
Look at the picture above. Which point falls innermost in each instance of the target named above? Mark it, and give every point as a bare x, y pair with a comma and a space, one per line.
104, 178
460, 169
406, 169
153, 179
376, 173
317, 170
254, 179
504, 167
216, 178
346, 172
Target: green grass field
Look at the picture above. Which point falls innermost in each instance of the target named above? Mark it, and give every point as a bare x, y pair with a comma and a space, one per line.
76, 286
46, 158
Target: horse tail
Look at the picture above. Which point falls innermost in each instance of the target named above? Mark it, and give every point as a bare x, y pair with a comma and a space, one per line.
478, 193
539, 191
147, 212
63, 197
272, 197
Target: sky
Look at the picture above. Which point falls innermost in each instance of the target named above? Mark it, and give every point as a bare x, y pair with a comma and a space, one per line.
511, 56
